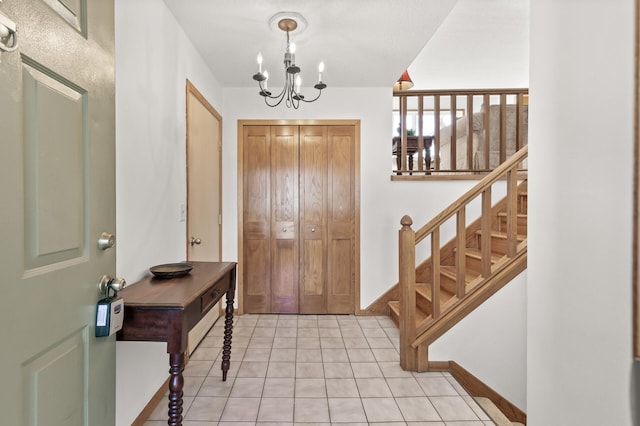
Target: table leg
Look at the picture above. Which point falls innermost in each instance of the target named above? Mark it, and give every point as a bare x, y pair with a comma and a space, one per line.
228, 329
176, 384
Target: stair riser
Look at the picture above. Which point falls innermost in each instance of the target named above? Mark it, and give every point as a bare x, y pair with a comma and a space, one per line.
474, 265
448, 283
394, 317
498, 244
423, 304
522, 224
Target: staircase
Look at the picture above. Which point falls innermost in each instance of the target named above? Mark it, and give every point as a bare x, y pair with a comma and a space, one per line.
461, 274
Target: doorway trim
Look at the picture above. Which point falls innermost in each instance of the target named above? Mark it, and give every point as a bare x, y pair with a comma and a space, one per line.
356, 168
191, 89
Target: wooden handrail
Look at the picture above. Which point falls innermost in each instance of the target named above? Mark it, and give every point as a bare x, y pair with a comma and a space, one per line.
412, 336
519, 90
488, 180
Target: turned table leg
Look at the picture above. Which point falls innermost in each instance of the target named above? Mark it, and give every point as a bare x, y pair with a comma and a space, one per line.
176, 384
228, 329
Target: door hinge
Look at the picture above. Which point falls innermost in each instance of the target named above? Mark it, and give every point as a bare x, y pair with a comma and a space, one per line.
219, 219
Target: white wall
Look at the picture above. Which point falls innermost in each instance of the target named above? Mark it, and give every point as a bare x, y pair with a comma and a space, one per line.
491, 342
153, 60
580, 224
480, 44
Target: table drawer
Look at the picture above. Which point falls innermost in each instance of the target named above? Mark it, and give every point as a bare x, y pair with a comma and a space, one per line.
213, 294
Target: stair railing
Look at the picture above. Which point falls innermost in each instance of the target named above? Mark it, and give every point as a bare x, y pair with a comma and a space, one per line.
453, 132
413, 348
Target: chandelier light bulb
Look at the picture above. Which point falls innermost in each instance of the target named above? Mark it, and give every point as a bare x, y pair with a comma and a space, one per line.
320, 71
292, 48
260, 62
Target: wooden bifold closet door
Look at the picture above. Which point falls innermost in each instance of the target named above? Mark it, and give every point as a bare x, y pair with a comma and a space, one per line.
299, 218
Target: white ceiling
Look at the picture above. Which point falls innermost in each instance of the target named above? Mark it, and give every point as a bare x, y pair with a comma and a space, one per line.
363, 43
366, 43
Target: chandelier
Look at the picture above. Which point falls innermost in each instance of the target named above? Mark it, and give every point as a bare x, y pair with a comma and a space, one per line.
290, 93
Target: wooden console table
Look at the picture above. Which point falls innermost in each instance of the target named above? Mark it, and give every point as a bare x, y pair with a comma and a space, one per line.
164, 310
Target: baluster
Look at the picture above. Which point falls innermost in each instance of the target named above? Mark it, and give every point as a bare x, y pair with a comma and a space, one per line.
454, 136
519, 124
436, 130
485, 226
512, 211
420, 134
503, 128
435, 267
403, 133
461, 257
470, 147
487, 130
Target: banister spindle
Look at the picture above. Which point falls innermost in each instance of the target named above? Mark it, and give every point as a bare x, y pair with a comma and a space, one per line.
403, 133
503, 128
435, 276
461, 252
420, 134
512, 212
436, 130
486, 125
470, 148
454, 136
519, 121
485, 228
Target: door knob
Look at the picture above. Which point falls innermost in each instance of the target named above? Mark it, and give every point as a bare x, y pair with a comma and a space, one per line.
106, 240
106, 283
195, 241
8, 32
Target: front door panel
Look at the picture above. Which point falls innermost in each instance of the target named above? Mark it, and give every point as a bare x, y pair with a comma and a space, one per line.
57, 184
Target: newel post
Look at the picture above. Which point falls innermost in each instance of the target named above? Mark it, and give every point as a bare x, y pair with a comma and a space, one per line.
407, 284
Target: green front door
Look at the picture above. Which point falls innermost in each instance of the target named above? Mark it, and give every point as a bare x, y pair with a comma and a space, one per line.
57, 195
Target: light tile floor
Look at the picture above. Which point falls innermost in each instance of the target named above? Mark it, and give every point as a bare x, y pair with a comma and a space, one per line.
308, 369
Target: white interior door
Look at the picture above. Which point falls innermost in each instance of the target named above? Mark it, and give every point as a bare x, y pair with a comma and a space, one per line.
204, 191
57, 188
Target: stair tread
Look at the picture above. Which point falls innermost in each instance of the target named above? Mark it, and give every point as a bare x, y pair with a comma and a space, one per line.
394, 305
493, 412
476, 253
450, 271
520, 215
425, 291
498, 234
